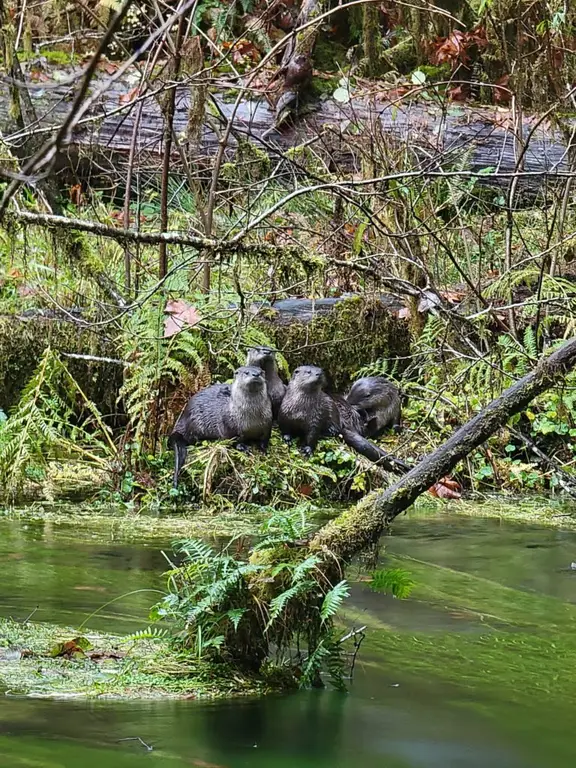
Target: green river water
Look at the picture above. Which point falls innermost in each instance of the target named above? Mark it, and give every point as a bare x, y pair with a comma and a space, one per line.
475, 669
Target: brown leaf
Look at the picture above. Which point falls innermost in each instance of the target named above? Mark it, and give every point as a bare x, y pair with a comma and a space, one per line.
502, 93
180, 314
305, 490
105, 655
75, 194
126, 98
446, 488
458, 92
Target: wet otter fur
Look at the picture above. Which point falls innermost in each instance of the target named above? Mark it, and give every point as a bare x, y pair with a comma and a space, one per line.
308, 412
241, 410
265, 358
379, 399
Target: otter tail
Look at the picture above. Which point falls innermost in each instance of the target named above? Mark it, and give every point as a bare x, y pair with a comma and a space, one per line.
180, 448
373, 452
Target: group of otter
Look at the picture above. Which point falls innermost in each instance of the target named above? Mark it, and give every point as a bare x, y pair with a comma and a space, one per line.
246, 409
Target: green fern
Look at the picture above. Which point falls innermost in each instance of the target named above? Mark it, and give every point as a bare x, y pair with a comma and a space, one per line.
333, 600
53, 419
150, 633
279, 603
397, 581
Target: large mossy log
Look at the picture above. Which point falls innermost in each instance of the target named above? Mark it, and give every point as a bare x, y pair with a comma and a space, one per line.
339, 335
360, 527
24, 338
474, 138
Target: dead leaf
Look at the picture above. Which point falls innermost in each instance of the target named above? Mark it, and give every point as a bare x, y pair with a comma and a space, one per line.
76, 195
502, 93
106, 655
446, 488
180, 314
126, 98
71, 649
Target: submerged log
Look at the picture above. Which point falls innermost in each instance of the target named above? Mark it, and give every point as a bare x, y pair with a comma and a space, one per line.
360, 527
474, 138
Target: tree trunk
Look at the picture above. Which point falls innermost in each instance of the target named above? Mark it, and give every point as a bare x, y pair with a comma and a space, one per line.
361, 526
371, 39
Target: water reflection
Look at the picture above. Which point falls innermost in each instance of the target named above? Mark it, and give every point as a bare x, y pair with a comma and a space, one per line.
392, 718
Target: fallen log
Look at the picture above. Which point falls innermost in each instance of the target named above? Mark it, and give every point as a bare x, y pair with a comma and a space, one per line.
477, 138
361, 526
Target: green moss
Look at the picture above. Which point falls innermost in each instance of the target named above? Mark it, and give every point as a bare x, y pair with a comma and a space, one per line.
323, 85
433, 74
120, 668
329, 54
22, 342
356, 332
402, 57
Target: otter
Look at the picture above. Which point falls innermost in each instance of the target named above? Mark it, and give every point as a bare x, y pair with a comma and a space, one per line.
298, 72
308, 412
221, 412
379, 399
264, 357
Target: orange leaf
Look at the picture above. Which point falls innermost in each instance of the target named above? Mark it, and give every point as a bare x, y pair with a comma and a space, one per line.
126, 98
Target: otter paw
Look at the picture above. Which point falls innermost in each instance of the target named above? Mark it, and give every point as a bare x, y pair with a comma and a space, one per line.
242, 447
287, 439
306, 451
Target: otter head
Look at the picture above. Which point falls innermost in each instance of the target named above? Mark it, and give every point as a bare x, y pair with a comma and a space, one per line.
309, 378
370, 391
250, 378
263, 357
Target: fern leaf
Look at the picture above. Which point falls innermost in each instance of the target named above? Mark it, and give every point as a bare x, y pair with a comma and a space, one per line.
395, 580
333, 600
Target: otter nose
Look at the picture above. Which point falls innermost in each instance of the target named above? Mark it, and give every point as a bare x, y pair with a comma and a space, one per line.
256, 374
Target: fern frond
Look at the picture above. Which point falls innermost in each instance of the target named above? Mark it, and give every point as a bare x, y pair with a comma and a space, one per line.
395, 580
333, 600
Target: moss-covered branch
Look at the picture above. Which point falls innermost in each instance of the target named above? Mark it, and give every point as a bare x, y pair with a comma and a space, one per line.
361, 526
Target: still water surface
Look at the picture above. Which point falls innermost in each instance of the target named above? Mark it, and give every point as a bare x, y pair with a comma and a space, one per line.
393, 717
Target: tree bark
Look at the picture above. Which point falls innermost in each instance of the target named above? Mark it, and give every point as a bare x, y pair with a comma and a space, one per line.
474, 136
361, 526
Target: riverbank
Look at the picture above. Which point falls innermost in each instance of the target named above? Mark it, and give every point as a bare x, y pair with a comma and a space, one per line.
129, 523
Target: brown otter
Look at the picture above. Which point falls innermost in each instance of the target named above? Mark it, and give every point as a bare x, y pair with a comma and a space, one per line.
308, 412
264, 357
222, 411
298, 72
379, 399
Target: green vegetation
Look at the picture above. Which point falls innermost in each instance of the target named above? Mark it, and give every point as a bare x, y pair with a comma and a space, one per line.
54, 662
137, 267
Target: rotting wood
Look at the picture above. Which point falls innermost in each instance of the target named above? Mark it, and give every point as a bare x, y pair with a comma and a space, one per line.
445, 135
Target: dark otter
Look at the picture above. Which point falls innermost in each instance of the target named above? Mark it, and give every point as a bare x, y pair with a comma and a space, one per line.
265, 358
222, 411
380, 400
308, 412
298, 72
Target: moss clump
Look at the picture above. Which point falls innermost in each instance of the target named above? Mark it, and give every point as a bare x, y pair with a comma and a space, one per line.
111, 666
402, 57
328, 54
22, 342
356, 332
